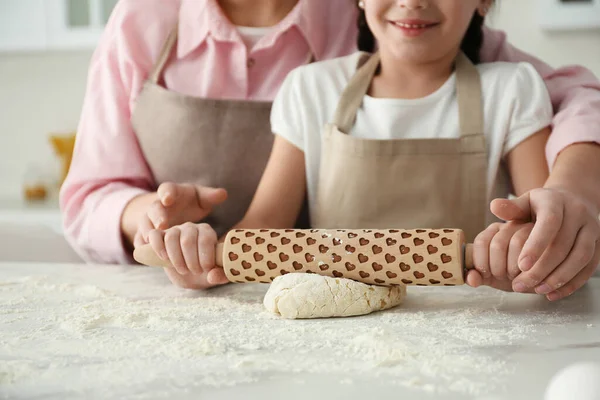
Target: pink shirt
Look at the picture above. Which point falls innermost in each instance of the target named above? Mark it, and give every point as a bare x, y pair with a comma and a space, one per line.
108, 168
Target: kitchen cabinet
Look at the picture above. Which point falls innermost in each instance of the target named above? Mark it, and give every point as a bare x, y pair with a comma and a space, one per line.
77, 23
38, 25
561, 15
22, 25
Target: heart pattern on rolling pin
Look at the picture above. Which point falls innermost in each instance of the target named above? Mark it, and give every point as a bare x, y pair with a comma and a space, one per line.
411, 257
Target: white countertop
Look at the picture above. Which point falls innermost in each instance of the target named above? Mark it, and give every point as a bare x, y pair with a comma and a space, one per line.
32, 232
71, 331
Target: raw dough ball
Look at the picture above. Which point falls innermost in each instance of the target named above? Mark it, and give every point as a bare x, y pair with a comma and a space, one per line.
579, 381
315, 296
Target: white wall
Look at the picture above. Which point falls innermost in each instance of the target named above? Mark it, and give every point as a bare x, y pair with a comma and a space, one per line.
518, 19
42, 93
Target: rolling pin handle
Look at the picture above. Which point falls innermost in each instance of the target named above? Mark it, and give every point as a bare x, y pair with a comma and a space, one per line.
468, 256
146, 255
219, 255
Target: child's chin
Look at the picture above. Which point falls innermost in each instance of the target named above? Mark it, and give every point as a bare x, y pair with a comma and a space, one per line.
413, 53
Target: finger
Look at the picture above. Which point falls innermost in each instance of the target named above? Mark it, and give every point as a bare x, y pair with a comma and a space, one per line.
512, 210
188, 281
549, 220
167, 193
216, 276
157, 241
207, 242
577, 282
557, 252
210, 197
173, 245
138, 240
578, 259
189, 246
158, 215
474, 278
144, 227
481, 248
499, 250
503, 285
514, 251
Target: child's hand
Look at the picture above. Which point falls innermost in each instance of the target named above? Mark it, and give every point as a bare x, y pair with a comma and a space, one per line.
177, 204
191, 250
496, 253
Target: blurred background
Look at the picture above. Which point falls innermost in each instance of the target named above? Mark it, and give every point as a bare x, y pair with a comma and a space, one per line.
45, 48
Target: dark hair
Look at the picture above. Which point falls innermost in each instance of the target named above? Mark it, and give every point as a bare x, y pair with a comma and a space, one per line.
471, 44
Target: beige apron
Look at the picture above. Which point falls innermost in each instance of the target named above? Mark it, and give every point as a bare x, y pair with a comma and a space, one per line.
217, 143
404, 183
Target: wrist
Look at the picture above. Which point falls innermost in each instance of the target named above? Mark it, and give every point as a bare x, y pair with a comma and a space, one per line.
577, 171
575, 192
132, 213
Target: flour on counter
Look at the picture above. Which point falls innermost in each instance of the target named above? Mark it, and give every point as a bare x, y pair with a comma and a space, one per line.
99, 340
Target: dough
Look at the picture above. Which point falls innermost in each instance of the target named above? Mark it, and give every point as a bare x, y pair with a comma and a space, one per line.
314, 296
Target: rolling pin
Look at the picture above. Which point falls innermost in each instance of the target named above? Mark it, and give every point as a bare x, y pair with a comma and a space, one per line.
386, 257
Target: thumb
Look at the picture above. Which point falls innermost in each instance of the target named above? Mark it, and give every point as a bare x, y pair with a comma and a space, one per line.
518, 209
167, 193
210, 197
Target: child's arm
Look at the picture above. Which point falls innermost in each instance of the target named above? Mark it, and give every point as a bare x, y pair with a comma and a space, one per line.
276, 204
497, 248
527, 164
281, 191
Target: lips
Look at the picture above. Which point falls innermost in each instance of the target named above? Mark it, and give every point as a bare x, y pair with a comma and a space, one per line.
413, 28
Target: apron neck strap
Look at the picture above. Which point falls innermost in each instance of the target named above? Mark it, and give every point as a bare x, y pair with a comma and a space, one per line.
469, 96
357, 88
163, 57
468, 88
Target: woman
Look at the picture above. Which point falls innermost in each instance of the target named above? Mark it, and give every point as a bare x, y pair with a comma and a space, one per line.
118, 164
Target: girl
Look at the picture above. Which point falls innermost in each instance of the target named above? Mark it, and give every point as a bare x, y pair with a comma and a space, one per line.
415, 133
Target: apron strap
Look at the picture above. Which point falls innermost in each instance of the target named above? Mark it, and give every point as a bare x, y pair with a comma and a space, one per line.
352, 96
165, 54
468, 92
468, 88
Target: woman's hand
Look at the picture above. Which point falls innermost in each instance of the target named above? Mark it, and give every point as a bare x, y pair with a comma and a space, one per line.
563, 249
177, 204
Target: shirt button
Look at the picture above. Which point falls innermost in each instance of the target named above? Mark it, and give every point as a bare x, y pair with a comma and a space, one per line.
250, 63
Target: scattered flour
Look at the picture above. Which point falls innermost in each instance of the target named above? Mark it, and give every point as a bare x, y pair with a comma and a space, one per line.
96, 341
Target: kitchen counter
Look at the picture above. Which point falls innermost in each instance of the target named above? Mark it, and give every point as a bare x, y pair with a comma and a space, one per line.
72, 331
46, 213
32, 232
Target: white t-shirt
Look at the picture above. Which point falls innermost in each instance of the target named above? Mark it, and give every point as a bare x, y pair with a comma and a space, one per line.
251, 35
515, 99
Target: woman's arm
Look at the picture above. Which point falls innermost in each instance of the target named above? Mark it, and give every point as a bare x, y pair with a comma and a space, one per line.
281, 191
109, 174
527, 163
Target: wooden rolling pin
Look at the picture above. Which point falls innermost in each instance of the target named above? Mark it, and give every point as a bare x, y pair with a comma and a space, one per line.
423, 257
